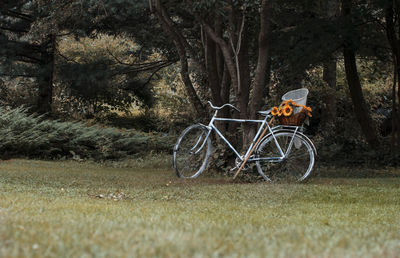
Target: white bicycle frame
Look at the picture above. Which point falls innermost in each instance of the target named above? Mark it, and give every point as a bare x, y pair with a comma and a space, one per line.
211, 127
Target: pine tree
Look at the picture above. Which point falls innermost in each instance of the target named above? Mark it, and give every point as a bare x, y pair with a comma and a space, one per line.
25, 52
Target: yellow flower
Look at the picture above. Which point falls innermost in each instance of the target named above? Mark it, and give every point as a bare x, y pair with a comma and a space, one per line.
274, 111
307, 110
280, 111
287, 110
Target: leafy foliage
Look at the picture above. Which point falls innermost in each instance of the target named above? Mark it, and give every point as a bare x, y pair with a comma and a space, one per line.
24, 134
90, 76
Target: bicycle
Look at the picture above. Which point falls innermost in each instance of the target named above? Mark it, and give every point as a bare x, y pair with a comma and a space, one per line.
284, 153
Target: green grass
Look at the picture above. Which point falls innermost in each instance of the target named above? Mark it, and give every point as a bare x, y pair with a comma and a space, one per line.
71, 209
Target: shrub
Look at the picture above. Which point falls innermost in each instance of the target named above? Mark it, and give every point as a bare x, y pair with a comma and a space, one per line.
30, 135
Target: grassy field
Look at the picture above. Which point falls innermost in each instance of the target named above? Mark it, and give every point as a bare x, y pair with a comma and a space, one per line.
71, 209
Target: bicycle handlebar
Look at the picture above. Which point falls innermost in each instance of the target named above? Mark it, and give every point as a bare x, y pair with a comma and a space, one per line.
221, 107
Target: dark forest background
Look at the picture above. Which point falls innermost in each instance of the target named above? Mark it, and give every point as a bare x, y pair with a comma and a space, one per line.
113, 79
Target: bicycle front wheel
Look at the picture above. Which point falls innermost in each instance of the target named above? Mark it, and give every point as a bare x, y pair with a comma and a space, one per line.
191, 152
295, 166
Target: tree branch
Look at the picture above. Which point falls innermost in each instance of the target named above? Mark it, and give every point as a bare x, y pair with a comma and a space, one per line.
179, 42
237, 50
14, 30
19, 15
226, 50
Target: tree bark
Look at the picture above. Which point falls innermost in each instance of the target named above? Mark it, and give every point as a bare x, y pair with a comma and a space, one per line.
329, 110
212, 71
45, 98
244, 90
329, 76
263, 69
361, 110
244, 75
218, 54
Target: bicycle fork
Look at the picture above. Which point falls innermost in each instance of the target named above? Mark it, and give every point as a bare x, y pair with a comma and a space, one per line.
198, 141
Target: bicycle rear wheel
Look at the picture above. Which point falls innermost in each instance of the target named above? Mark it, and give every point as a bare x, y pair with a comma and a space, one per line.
295, 167
191, 151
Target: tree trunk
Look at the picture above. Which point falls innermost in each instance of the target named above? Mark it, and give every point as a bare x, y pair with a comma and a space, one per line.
244, 72
329, 110
360, 106
181, 45
329, 75
263, 69
244, 90
214, 83
212, 71
45, 98
218, 54
262, 72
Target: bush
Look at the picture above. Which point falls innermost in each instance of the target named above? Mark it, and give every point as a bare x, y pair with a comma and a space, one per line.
30, 135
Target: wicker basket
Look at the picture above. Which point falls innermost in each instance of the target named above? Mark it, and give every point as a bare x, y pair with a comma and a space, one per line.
294, 119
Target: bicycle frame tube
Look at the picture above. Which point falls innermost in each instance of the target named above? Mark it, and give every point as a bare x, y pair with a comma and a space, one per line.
211, 127
225, 140
294, 130
291, 143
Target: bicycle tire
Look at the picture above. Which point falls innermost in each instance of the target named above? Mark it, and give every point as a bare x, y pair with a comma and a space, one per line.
191, 153
296, 167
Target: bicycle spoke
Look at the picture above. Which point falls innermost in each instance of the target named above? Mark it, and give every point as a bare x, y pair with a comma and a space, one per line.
295, 166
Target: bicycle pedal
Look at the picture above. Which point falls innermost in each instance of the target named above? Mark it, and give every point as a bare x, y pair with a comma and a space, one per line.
239, 162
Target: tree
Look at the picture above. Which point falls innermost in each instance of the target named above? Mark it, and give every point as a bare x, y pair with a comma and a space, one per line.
329, 70
30, 32
392, 25
219, 40
361, 110
25, 55
102, 73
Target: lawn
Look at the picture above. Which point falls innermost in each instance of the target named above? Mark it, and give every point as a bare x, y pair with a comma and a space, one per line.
72, 209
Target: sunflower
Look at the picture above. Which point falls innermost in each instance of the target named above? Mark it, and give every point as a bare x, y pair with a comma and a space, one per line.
307, 110
287, 110
274, 111
280, 111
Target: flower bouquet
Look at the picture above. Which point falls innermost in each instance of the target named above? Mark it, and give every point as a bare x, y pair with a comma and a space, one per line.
286, 116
